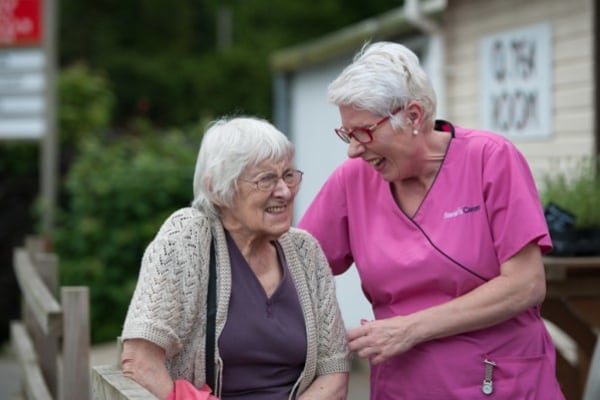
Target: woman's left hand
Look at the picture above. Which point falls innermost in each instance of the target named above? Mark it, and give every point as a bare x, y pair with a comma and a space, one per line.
380, 339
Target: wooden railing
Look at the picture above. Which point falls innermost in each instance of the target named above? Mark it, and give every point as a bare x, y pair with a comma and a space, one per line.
51, 341
109, 383
572, 304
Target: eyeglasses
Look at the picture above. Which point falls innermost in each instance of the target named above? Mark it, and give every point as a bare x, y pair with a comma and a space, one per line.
363, 135
267, 183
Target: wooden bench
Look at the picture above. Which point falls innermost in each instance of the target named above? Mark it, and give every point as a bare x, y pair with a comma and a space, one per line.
52, 340
109, 383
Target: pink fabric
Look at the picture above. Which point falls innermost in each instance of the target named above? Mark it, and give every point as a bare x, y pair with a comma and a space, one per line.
483, 208
184, 390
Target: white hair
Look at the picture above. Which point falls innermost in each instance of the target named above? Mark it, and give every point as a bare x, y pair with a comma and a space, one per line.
229, 146
383, 77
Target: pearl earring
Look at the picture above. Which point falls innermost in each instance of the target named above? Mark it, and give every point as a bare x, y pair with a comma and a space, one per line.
415, 132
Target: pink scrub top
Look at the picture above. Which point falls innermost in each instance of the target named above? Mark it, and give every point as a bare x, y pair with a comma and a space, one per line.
482, 208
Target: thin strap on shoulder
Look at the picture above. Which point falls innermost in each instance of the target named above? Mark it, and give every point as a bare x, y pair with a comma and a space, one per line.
211, 308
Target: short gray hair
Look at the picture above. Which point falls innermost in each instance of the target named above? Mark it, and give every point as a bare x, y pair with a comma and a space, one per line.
382, 77
229, 146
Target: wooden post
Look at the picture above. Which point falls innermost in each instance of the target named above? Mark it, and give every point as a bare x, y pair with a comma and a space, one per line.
41, 313
35, 340
76, 343
46, 345
34, 385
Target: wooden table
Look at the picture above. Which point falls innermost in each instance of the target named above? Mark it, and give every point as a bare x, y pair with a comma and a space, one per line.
573, 304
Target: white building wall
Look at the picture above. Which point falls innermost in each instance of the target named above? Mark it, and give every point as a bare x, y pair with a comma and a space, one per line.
318, 153
466, 22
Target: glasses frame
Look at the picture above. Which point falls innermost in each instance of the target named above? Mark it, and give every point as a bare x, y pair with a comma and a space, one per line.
345, 135
272, 183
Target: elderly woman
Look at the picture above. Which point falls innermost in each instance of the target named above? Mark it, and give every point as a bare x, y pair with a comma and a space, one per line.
446, 229
279, 332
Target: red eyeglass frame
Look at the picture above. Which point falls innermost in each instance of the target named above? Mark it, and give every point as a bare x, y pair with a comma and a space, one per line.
345, 136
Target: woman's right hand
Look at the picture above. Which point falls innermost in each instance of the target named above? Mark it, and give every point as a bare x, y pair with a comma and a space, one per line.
144, 362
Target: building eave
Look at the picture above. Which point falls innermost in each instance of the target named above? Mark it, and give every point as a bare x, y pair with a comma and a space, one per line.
347, 40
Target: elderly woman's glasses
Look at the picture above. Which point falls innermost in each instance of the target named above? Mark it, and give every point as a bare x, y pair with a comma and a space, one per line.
267, 183
363, 135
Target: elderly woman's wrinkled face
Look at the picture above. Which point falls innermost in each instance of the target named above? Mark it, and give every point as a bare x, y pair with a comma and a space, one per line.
264, 203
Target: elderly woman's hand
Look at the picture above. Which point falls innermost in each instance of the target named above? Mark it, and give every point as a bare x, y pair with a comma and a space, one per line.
381, 339
144, 362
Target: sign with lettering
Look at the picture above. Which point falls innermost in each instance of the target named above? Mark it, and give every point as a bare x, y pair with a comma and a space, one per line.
23, 86
28, 30
23, 70
20, 22
516, 82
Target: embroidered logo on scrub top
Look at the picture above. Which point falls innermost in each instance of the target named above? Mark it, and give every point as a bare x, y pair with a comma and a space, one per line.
460, 211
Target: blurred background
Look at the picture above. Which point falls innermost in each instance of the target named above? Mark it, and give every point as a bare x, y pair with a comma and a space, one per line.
137, 81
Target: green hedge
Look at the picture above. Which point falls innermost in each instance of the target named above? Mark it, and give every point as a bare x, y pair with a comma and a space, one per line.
119, 194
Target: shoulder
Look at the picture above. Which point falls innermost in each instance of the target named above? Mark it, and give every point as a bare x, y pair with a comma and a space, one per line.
483, 146
481, 138
350, 176
183, 223
183, 235
301, 238
302, 244
306, 248
352, 167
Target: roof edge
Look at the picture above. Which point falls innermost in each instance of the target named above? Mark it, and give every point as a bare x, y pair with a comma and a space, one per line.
348, 39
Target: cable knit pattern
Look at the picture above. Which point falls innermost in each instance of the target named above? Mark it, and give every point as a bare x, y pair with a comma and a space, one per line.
168, 306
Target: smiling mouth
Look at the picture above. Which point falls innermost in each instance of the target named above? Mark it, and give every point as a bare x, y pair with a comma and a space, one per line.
375, 162
275, 209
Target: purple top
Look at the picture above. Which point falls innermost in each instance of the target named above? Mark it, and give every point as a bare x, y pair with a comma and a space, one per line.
263, 344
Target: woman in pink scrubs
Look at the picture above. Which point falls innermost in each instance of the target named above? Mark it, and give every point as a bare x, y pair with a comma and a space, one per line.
446, 229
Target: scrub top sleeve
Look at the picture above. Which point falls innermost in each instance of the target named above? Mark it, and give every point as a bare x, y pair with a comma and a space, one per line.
327, 220
512, 202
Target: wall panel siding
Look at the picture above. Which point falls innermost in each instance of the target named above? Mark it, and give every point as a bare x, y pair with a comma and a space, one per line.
572, 72
466, 22
567, 124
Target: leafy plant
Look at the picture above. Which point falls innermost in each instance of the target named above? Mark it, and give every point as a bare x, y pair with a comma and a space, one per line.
577, 190
119, 194
86, 104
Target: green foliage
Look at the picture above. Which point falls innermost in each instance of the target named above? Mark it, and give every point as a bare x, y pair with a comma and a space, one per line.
120, 193
576, 190
18, 160
84, 110
85, 106
162, 66
165, 60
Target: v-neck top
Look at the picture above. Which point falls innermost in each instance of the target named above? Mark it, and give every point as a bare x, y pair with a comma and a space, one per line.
482, 208
168, 306
263, 343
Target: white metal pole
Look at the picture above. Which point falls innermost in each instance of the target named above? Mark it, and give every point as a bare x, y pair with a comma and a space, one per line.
49, 150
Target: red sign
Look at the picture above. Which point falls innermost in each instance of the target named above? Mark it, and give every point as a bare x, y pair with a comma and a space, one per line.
20, 22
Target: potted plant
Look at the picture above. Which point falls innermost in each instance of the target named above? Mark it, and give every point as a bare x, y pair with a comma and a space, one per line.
571, 199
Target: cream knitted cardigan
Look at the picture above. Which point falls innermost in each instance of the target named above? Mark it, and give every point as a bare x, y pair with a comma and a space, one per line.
168, 306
